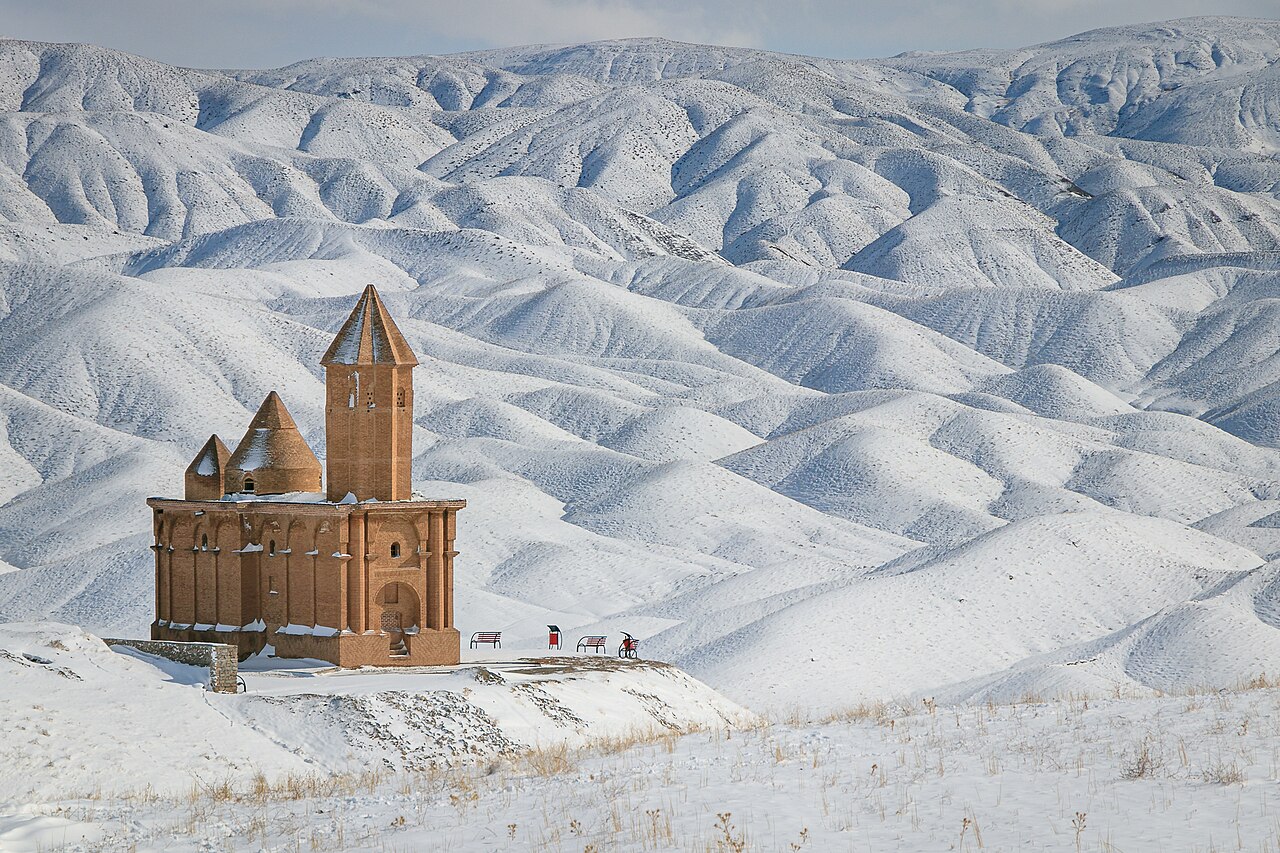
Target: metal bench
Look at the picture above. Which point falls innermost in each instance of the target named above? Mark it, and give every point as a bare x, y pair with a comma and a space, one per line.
493, 638
589, 643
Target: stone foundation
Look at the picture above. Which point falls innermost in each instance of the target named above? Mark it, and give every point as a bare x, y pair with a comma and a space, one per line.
426, 648
219, 658
246, 642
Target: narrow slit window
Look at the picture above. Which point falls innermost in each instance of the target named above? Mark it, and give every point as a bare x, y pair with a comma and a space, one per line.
273, 547
204, 542
395, 549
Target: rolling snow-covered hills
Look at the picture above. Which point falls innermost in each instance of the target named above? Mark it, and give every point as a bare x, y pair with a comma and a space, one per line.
969, 358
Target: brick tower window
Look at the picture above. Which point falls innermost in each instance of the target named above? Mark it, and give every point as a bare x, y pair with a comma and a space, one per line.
400, 397
204, 541
273, 547
248, 484
395, 549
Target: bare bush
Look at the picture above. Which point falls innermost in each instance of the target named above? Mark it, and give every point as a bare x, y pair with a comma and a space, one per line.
1223, 773
1143, 761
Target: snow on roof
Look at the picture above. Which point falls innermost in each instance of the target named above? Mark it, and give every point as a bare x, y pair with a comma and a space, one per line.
273, 442
254, 450
286, 497
317, 498
209, 461
369, 336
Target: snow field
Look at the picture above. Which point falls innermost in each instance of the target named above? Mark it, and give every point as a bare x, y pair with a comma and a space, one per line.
945, 378
93, 721
722, 346
1189, 772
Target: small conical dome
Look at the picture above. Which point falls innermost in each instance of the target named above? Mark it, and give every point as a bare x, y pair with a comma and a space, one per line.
273, 458
369, 336
206, 475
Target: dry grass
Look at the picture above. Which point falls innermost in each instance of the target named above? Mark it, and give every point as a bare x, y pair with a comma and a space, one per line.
608, 806
875, 712
727, 838
1223, 773
1258, 682
260, 790
1142, 761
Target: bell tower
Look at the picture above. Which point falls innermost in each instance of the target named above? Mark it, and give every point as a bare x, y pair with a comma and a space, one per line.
369, 406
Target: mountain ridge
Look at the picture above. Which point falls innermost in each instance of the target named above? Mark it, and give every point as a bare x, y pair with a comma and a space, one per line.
715, 341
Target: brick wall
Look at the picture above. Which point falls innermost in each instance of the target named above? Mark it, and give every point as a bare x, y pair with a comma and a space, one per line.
219, 658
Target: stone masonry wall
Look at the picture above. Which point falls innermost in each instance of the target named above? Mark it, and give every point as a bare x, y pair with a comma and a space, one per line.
219, 658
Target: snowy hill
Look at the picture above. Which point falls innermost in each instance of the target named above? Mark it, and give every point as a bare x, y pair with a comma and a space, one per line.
270, 769
967, 357
308, 718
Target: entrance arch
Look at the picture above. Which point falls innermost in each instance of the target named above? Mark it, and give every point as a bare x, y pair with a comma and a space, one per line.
398, 608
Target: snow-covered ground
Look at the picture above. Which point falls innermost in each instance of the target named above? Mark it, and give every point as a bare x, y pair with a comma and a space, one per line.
1194, 772
946, 375
720, 345
94, 719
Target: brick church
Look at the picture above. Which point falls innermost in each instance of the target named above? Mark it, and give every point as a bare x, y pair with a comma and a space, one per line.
357, 572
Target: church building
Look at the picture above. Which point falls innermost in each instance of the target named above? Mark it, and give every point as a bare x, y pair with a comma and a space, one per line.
357, 570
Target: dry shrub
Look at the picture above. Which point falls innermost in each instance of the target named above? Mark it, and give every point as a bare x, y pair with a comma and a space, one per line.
1143, 761
728, 838
1223, 773
1259, 682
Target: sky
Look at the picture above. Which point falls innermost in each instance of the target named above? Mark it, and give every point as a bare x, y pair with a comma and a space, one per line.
270, 33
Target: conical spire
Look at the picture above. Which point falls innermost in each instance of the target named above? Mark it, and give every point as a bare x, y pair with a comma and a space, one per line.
206, 475
369, 336
272, 415
273, 457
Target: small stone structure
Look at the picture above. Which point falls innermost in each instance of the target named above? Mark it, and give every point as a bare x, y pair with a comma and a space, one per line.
219, 658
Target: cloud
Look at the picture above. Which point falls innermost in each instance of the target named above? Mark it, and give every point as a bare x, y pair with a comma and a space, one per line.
258, 33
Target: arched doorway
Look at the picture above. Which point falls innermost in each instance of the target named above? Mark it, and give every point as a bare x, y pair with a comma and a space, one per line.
398, 606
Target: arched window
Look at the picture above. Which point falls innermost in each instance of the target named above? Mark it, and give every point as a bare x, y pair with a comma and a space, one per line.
395, 549
273, 547
248, 484
400, 397
204, 541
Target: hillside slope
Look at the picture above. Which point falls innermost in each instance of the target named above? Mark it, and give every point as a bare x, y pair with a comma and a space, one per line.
724, 347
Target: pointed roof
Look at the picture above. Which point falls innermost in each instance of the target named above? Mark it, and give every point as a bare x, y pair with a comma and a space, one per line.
272, 415
272, 441
211, 460
369, 336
